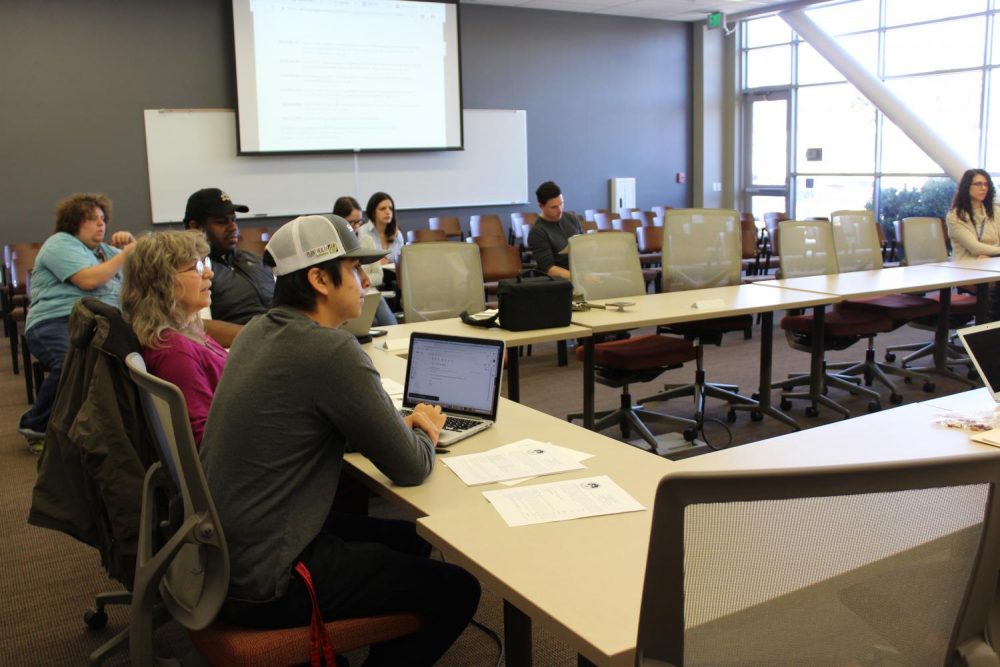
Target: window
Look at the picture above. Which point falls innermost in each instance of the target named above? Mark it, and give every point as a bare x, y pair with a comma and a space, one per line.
935, 46
836, 131
770, 66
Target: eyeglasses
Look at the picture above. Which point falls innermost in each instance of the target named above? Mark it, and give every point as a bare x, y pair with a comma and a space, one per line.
980, 184
200, 266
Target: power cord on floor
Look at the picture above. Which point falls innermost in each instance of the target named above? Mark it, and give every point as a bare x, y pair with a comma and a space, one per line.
729, 434
489, 632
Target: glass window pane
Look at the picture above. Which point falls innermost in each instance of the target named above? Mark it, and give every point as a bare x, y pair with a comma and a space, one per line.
949, 104
911, 196
838, 122
846, 17
767, 31
813, 68
761, 204
936, 46
769, 147
913, 11
993, 129
818, 196
771, 66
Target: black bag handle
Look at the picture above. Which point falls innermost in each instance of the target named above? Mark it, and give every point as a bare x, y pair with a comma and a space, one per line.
533, 273
488, 323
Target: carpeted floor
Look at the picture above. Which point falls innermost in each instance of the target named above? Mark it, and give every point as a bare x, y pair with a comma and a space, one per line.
48, 580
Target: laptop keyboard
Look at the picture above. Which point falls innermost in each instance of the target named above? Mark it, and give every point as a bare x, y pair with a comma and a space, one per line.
450, 423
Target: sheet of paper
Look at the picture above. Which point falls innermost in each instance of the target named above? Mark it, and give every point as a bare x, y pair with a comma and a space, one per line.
571, 454
513, 461
393, 388
561, 501
991, 437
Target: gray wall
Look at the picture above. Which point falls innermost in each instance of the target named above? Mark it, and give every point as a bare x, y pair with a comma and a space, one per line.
605, 96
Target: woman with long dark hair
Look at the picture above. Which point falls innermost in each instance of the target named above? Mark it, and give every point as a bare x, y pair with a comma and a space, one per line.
974, 219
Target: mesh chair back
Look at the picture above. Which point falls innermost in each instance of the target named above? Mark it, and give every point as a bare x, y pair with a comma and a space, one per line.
440, 280
822, 565
189, 572
923, 240
701, 248
856, 239
807, 248
605, 266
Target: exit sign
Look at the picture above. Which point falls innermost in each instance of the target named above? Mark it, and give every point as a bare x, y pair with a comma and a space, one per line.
715, 20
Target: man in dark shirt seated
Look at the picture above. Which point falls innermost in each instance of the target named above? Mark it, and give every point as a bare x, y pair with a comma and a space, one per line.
242, 286
549, 237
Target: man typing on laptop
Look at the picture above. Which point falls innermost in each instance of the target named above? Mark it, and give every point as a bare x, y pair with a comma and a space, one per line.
296, 392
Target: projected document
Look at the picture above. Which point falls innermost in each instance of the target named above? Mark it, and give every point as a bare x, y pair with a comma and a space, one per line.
347, 75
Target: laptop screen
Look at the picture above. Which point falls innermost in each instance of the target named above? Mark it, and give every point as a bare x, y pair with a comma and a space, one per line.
460, 374
982, 343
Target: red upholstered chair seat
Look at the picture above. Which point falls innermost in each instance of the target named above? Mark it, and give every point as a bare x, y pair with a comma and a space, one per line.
642, 353
225, 645
840, 323
899, 307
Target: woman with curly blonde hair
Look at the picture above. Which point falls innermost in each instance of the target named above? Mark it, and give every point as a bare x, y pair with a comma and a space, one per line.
167, 283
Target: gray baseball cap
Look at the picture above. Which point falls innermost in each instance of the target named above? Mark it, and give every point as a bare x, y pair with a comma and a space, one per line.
314, 239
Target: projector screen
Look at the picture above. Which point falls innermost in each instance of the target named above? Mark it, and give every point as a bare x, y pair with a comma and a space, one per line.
347, 75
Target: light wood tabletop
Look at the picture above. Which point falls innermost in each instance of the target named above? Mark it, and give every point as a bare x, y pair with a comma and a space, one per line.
858, 284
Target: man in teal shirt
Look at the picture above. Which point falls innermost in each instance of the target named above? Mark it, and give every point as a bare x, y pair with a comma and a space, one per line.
73, 263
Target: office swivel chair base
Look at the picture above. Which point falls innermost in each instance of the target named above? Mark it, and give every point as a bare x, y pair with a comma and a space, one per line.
852, 385
872, 370
700, 390
629, 416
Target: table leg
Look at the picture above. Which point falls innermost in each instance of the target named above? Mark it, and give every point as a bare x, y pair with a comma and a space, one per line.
982, 294
764, 406
588, 382
517, 636
583, 662
561, 354
941, 335
513, 374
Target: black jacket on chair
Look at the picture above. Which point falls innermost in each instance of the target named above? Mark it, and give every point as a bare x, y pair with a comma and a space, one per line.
97, 444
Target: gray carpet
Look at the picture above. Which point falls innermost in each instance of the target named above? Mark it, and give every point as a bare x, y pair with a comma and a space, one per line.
48, 580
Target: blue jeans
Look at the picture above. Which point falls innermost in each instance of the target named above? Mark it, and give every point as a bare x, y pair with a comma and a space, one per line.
48, 342
383, 315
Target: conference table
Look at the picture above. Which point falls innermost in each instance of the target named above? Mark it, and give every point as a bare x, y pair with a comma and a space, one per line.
693, 305
583, 579
397, 338
896, 280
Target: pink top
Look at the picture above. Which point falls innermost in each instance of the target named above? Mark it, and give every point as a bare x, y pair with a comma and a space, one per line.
194, 368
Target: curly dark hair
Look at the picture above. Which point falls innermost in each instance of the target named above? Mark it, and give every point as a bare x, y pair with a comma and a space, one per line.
373, 202
78, 207
962, 203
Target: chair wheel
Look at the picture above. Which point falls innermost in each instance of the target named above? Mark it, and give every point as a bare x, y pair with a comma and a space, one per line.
972, 375
690, 434
874, 406
895, 399
755, 396
907, 380
929, 387
785, 404
95, 619
731, 416
756, 416
811, 411
890, 357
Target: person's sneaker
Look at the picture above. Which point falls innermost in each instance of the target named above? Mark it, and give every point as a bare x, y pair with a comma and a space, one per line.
31, 434
36, 446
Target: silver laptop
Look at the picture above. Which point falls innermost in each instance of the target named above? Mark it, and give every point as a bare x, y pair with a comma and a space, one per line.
460, 374
361, 325
982, 342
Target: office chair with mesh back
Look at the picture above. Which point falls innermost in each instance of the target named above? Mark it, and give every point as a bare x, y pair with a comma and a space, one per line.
440, 280
858, 249
879, 564
702, 248
924, 240
808, 250
188, 574
606, 266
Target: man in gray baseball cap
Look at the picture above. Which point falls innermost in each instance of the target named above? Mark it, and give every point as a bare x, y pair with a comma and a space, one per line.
295, 393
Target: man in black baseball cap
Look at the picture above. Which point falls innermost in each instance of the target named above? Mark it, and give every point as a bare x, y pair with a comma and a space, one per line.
242, 286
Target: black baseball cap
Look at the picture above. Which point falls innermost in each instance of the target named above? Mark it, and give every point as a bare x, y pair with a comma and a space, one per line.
211, 202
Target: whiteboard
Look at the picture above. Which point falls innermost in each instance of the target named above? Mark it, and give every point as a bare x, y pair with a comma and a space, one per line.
190, 149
